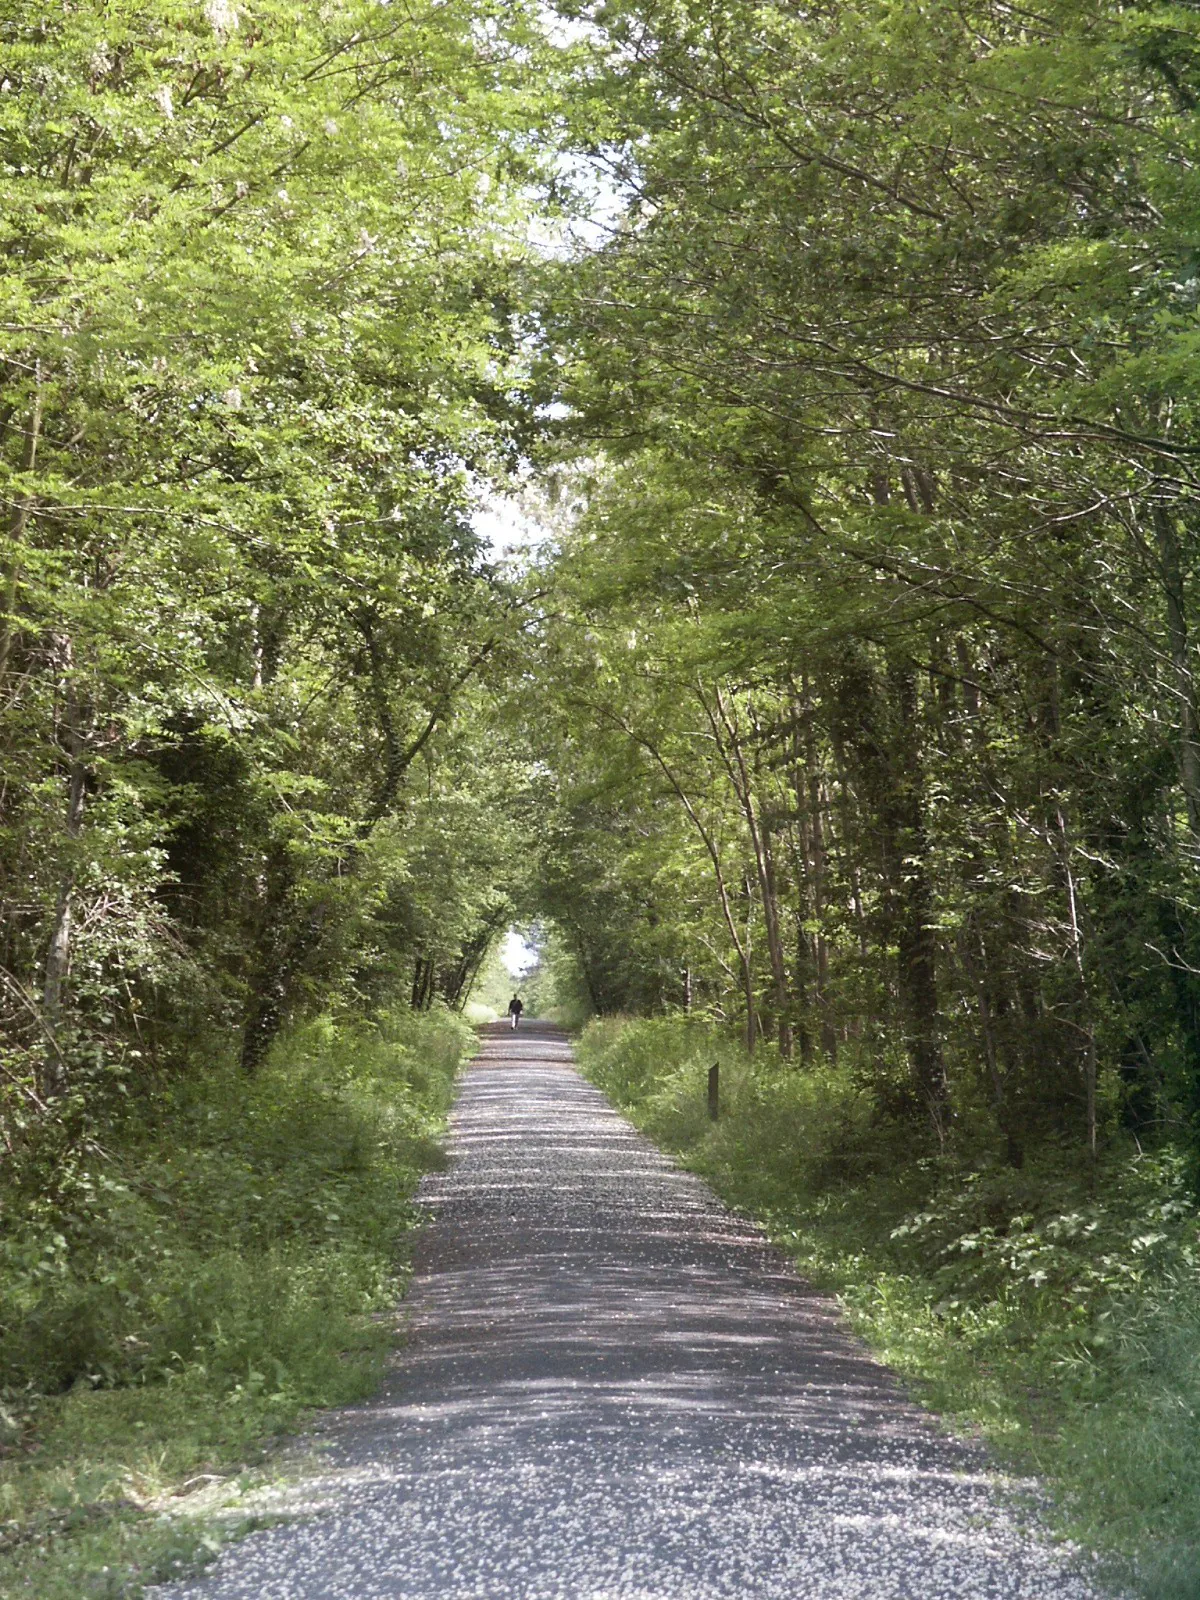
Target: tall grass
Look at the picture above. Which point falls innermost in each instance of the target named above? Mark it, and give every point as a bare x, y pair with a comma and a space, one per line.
1063, 1316
208, 1272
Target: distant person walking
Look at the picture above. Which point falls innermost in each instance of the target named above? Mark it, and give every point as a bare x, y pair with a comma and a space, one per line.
515, 1008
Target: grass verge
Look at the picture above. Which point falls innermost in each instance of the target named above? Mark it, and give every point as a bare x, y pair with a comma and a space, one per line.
175, 1301
1059, 1314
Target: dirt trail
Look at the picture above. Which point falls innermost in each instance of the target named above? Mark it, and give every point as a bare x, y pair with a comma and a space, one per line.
614, 1389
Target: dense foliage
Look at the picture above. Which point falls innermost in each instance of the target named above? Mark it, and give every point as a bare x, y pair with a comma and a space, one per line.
872, 668
232, 1263
256, 351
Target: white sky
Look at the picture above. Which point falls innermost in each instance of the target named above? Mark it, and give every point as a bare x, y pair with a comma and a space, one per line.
506, 526
520, 958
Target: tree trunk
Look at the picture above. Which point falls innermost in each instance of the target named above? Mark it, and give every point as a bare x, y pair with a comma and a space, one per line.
816, 808
729, 742
916, 938
849, 854
753, 1020
58, 952
279, 948
973, 948
1086, 1024
17, 526
1171, 567
883, 731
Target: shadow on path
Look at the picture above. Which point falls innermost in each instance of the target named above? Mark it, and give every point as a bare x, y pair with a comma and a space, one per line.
615, 1389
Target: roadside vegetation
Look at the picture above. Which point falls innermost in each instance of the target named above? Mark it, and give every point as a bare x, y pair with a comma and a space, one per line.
187, 1284
257, 816
1060, 1316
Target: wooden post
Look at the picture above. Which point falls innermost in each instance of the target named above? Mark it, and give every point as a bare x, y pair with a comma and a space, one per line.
714, 1091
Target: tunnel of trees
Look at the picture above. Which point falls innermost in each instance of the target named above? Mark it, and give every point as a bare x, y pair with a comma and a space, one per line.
847, 356
852, 700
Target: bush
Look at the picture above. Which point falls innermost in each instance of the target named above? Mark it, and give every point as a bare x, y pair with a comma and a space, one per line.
213, 1226
215, 1271
783, 1131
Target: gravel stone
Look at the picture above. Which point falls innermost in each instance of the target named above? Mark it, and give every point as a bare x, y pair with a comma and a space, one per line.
613, 1388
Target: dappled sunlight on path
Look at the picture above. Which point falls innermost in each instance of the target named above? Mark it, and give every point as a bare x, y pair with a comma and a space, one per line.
615, 1389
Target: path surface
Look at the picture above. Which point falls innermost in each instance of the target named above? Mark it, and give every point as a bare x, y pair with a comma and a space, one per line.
615, 1390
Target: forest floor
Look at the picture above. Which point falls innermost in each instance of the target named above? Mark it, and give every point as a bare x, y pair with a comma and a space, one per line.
615, 1386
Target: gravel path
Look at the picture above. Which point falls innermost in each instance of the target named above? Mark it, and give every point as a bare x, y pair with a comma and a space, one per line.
615, 1390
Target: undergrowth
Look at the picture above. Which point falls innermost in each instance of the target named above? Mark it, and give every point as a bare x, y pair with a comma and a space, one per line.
191, 1281
1057, 1309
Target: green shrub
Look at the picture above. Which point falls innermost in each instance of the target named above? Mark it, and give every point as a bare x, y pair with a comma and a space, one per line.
1130, 1453
214, 1271
182, 1247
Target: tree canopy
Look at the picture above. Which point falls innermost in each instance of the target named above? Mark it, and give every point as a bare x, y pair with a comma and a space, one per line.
851, 699
258, 346
878, 612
